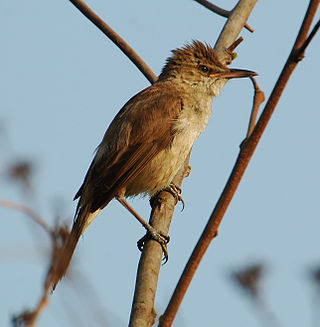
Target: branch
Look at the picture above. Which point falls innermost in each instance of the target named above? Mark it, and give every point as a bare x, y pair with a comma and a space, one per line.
234, 24
116, 39
142, 311
257, 100
28, 317
241, 164
220, 11
302, 49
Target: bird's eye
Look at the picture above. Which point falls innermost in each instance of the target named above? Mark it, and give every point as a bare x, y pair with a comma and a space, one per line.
204, 68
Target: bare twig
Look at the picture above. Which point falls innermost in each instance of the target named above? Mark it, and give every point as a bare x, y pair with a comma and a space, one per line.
257, 100
57, 234
220, 11
116, 39
243, 159
232, 47
302, 49
28, 317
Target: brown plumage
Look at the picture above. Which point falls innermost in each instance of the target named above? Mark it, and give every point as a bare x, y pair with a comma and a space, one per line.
150, 137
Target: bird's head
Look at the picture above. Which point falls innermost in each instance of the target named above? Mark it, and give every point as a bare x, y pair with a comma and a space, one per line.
196, 65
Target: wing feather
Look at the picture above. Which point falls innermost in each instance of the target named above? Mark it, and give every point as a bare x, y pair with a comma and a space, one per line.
141, 129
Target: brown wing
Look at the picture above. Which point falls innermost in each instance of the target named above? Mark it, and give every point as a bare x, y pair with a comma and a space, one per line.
141, 129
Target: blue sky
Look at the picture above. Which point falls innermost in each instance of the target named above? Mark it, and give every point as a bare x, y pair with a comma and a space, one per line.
61, 84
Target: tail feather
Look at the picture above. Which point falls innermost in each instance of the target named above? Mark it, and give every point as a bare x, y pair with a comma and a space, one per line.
64, 255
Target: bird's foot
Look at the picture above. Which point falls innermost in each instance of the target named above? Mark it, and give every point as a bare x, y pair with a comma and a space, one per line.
153, 234
176, 192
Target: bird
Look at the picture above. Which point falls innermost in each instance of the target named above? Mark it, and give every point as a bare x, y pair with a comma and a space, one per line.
150, 137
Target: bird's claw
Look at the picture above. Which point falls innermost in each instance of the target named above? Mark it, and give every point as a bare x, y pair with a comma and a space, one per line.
162, 239
176, 192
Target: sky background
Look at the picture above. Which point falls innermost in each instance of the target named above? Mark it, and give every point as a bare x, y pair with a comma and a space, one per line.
62, 81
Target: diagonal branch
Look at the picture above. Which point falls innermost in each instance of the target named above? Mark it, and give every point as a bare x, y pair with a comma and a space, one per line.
240, 166
116, 39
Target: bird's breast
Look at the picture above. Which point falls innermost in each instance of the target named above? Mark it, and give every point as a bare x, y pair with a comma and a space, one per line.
160, 171
194, 117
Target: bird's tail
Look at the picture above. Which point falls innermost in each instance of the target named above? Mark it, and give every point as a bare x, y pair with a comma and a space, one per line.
63, 256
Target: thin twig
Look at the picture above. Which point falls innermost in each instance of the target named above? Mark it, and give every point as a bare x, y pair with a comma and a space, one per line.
116, 39
220, 11
240, 166
302, 49
257, 101
28, 318
235, 44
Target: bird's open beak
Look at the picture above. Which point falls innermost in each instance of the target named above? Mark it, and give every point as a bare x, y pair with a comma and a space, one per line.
234, 73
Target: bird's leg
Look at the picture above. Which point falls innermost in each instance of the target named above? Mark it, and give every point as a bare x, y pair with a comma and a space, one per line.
176, 192
151, 232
